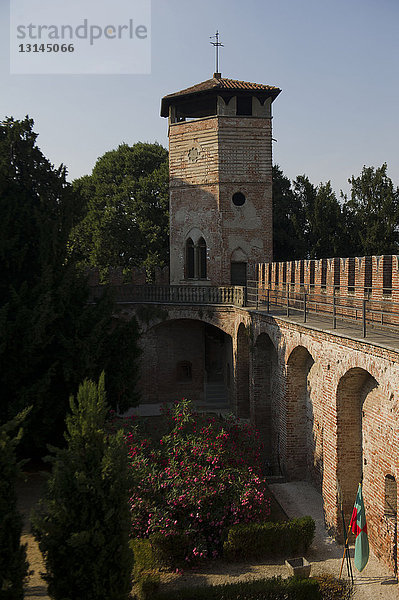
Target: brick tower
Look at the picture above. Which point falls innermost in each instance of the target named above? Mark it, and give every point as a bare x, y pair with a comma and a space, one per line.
220, 153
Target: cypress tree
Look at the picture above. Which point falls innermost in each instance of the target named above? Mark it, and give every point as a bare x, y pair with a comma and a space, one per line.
82, 525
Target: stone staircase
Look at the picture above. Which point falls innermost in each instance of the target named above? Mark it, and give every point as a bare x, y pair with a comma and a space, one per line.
216, 394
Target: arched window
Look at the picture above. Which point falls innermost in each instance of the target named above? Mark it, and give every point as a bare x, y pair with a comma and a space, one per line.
201, 259
190, 272
195, 267
184, 371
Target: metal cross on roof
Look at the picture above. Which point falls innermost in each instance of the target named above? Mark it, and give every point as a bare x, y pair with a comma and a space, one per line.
217, 45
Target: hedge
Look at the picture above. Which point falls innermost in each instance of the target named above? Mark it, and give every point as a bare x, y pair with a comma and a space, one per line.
159, 551
261, 540
275, 588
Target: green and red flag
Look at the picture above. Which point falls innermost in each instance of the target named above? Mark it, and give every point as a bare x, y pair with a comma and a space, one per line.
359, 527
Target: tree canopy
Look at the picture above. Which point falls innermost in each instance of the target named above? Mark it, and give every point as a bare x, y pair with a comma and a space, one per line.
127, 220
51, 337
310, 222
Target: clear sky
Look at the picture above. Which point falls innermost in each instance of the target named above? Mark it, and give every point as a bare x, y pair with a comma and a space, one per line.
336, 62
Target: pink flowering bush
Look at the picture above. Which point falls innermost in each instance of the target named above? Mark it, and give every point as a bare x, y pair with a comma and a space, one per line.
199, 478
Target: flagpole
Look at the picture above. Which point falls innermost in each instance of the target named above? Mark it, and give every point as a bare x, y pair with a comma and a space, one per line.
346, 538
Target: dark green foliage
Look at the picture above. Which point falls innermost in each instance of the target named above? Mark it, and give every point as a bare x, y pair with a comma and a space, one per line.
264, 589
127, 220
260, 540
332, 588
147, 586
13, 563
83, 523
50, 338
159, 551
372, 213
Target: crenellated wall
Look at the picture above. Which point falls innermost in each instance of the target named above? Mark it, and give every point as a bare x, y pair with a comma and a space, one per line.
376, 276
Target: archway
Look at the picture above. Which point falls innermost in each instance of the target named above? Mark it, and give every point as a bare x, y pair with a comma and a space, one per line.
264, 384
186, 358
301, 460
352, 391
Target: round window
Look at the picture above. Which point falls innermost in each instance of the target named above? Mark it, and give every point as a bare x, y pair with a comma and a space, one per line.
238, 199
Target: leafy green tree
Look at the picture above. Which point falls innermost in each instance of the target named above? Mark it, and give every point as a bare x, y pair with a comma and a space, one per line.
308, 221
372, 213
82, 525
127, 221
51, 337
13, 563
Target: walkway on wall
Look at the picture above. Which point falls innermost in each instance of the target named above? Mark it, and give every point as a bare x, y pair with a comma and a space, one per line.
299, 498
353, 330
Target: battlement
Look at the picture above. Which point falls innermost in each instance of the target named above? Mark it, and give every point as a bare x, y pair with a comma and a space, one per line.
374, 277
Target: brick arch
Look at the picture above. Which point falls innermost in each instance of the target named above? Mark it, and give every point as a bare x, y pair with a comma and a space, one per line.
353, 389
242, 372
263, 393
299, 415
209, 350
163, 314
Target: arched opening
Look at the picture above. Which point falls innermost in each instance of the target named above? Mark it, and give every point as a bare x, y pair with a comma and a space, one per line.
195, 266
264, 400
186, 358
238, 267
352, 391
201, 257
242, 370
302, 460
184, 370
190, 272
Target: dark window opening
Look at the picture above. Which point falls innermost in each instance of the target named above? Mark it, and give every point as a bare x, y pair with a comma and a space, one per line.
202, 259
189, 259
284, 273
302, 272
244, 106
184, 371
337, 273
387, 275
238, 273
195, 259
292, 271
351, 275
270, 273
312, 272
238, 199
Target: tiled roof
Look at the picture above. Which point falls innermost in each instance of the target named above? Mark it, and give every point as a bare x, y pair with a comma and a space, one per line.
219, 83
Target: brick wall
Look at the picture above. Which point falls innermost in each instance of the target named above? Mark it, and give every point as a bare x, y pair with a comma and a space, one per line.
327, 406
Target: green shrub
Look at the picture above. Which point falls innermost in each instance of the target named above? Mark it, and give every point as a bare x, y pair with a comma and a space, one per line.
258, 540
159, 551
13, 564
332, 588
144, 557
147, 585
83, 523
275, 588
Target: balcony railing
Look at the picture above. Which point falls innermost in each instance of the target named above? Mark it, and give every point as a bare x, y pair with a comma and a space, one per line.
174, 294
